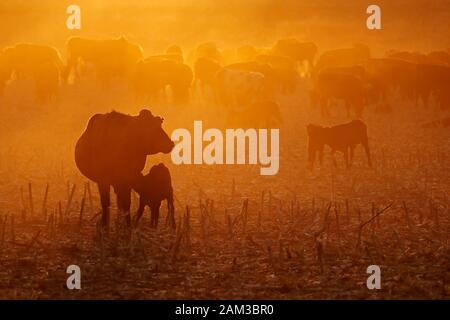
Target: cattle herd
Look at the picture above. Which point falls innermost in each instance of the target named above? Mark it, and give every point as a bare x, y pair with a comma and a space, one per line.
243, 80
246, 83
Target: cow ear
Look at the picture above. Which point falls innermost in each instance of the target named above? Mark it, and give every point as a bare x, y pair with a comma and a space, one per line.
145, 114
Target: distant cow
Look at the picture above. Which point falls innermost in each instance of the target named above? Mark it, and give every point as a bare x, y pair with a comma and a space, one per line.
153, 188
205, 70
112, 152
343, 138
153, 75
111, 58
343, 57
236, 89
296, 50
333, 85
42, 64
284, 69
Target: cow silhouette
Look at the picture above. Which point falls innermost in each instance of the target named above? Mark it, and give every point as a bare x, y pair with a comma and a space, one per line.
112, 152
344, 138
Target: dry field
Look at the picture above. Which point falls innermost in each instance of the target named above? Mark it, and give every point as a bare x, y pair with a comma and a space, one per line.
298, 235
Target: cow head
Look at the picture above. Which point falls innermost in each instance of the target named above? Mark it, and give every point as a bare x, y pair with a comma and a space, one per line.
151, 134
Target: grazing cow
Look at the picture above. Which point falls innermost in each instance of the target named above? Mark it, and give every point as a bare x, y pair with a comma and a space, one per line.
153, 75
111, 58
433, 80
389, 74
342, 58
205, 70
296, 50
238, 89
42, 64
270, 75
332, 84
153, 188
343, 138
284, 71
112, 152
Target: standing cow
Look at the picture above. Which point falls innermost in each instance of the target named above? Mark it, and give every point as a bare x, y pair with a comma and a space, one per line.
343, 138
112, 152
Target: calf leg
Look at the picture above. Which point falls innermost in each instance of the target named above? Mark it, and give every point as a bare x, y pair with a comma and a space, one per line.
103, 189
352, 153
155, 213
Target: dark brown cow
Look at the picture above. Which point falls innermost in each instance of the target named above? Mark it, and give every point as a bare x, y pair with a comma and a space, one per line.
389, 74
153, 75
433, 80
284, 70
153, 188
270, 75
205, 70
334, 85
343, 57
42, 64
296, 50
112, 152
110, 58
343, 138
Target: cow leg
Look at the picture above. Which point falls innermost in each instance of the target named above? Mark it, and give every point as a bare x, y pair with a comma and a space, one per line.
154, 208
139, 212
352, 153
366, 148
124, 202
103, 189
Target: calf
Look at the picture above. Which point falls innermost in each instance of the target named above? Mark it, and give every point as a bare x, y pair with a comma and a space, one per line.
153, 188
343, 138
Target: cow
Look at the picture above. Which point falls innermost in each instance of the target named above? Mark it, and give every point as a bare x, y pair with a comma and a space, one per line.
284, 70
153, 188
111, 58
236, 89
433, 80
205, 70
343, 138
296, 50
270, 75
332, 84
42, 64
205, 50
153, 75
389, 74
112, 152
343, 57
